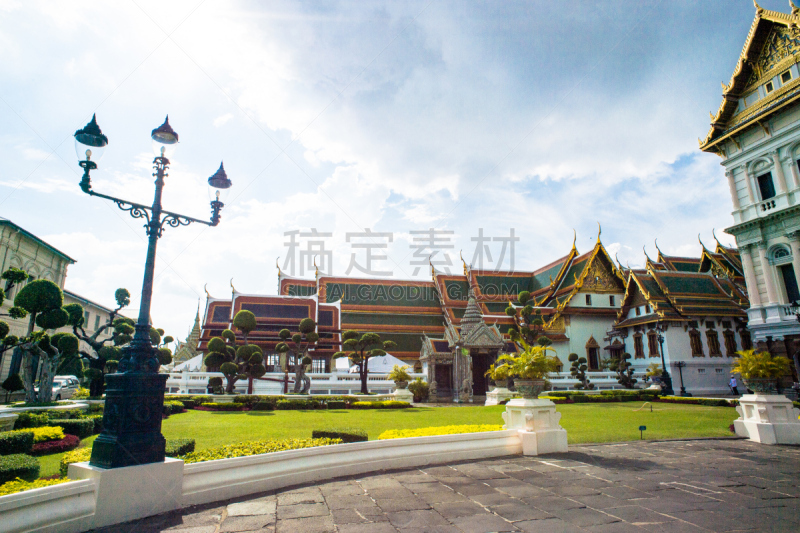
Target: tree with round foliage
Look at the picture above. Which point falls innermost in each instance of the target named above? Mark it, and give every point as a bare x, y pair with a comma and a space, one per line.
529, 324
13, 383
624, 370
295, 348
245, 321
222, 358
361, 349
578, 371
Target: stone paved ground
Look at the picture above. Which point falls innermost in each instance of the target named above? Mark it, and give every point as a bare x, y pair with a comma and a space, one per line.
681, 486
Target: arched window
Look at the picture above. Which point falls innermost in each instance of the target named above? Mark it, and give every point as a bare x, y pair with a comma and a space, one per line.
638, 345
593, 353
696, 343
652, 343
747, 341
713, 343
730, 342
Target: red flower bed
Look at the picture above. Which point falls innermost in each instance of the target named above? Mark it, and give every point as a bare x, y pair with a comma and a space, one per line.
222, 407
69, 442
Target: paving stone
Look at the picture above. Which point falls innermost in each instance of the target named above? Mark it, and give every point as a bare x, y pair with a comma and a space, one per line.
574, 490
600, 501
383, 527
445, 495
585, 517
317, 524
349, 502
402, 504
387, 493
616, 527
551, 525
636, 513
245, 523
497, 498
379, 483
257, 507
347, 516
418, 488
520, 511
420, 477
416, 519
430, 529
457, 509
472, 490
302, 510
524, 491
342, 489
482, 524
293, 498
195, 529
555, 503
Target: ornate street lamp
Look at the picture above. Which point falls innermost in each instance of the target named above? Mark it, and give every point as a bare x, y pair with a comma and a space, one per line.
135, 394
681, 365
666, 379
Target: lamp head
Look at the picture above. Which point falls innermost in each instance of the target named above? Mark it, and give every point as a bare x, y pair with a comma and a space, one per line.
220, 182
165, 140
90, 143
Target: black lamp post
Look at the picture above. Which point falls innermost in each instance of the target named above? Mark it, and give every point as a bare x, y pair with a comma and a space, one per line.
681, 365
666, 379
135, 394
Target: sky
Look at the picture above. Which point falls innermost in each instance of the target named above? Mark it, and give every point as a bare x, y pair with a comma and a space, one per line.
461, 122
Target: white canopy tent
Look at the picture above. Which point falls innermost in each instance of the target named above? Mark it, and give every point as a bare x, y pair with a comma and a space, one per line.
382, 364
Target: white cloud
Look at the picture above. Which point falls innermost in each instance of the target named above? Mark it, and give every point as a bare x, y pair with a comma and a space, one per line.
222, 119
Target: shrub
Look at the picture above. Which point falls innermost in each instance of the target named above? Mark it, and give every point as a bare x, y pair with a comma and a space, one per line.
19, 485
81, 394
419, 389
81, 455
18, 466
31, 419
244, 449
380, 405
69, 442
345, 434
12, 442
81, 428
442, 430
179, 447
46, 433
98, 423
252, 400
173, 407
711, 402
188, 402
97, 408
263, 406
296, 404
336, 404
65, 414
210, 406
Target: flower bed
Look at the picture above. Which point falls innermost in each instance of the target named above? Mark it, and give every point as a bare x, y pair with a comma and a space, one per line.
441, 430
391, 404
69, 442
244, 449
47, 433
18, 485
175, 448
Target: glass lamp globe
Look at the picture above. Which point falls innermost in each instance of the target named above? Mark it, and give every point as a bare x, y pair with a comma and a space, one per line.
219, 185
90, 143
165, 140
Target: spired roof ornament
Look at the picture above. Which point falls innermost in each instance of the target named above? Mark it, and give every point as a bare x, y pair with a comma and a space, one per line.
474, 331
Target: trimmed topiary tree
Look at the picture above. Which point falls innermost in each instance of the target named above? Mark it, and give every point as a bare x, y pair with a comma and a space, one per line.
13, 383
624, 370
362, 349
529, 323
297, 346
251, 356
578, 371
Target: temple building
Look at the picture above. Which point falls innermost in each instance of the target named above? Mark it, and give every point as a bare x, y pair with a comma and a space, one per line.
756, 132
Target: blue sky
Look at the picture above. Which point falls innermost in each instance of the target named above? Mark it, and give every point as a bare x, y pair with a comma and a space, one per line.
538, 116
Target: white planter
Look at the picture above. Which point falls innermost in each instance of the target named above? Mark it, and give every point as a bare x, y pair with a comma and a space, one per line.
497, 395
7, 421
403, 395
65, 508
537, 423
768, 419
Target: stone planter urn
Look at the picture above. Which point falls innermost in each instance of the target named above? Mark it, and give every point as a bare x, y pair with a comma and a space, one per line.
501, 383
761, 385
401, 384
530, 388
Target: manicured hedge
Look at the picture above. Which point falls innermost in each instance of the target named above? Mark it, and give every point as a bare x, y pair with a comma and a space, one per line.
31, 419
18, 465
178, 447
713, 402
81, 428
69, 442
244, 449
65, 414
12, 442
98, 423
173, 407
380, 405
263, 406
346, 434
47, 433
210, 406
19, 485
442, 430
283, 405
337, 405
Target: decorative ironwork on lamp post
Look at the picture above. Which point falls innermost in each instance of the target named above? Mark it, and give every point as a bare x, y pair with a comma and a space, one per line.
666, 379
135, 394
681, 365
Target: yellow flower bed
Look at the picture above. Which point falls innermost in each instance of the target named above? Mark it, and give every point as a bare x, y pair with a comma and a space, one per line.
46, 433
441, 430
18, 485
244, 449
79, 455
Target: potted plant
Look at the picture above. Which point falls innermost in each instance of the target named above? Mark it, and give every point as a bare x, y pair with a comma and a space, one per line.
654, 372
531, 367
760, 370
400, 376
499, 374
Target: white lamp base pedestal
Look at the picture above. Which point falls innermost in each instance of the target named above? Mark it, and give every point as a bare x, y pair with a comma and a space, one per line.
768, 419
537, 422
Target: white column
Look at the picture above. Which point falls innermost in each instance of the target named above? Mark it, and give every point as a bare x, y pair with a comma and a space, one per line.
795, 173
750, 277
780, 178
749, 185
769, 278
794, 242
732, 185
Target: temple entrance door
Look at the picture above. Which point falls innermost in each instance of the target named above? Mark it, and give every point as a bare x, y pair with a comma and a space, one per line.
444, 380
594, 363
480, 364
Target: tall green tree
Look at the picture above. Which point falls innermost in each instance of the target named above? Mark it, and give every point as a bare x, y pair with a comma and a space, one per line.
245, 321
578, 371
296, 346
13, 277
362, 348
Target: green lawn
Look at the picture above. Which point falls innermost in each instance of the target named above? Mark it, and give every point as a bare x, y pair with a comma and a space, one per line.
608, 422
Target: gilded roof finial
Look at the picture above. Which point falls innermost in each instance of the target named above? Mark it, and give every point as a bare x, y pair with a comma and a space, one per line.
794, 8
466, 270
232, 287
278, 266
700, 241
433, 270
759, 9
316, 268
644, 249
660, 253
619, 263
574, 238
599, 231
205, 288
714, 234
551, 280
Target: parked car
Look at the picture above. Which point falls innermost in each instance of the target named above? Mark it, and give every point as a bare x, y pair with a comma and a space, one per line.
63, 387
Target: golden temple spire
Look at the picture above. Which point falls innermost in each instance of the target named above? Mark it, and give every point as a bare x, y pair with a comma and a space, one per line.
232, 287
701, 242
466, 271
574, 239
759, 9
644, 249
316, 268
660, 253
278, 266
599, 231
205, 288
